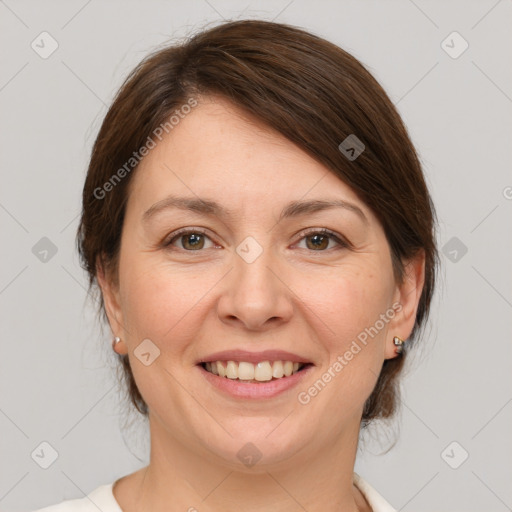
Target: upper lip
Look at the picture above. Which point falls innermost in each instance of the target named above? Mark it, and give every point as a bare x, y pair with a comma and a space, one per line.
254, 357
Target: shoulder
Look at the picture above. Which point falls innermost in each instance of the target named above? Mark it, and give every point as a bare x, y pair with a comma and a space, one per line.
100, 498
374, 499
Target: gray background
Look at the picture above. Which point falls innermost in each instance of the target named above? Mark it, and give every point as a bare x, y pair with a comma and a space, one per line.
57, 374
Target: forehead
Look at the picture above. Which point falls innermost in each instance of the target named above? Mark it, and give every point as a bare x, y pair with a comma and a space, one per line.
220, 151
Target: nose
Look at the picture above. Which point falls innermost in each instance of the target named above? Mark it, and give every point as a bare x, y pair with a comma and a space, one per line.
255, 294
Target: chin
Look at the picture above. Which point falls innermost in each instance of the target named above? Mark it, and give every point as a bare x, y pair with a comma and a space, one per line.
257, 447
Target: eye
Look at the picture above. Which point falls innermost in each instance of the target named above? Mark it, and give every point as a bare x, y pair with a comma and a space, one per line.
190, 239
318, 240
194, 239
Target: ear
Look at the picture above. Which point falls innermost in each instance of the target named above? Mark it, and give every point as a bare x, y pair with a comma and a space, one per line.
407, 295
110, 293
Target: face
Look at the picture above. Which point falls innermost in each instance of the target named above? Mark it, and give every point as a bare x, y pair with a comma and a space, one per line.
256, 272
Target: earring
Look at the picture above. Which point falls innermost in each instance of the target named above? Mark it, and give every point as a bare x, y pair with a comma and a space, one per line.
399, 343
115, 341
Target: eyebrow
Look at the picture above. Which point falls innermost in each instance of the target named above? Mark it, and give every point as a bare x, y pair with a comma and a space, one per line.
209, 207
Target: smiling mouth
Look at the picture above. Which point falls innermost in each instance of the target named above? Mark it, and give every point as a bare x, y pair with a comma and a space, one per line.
263, 371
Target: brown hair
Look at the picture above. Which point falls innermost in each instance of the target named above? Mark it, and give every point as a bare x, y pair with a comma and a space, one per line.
312, 92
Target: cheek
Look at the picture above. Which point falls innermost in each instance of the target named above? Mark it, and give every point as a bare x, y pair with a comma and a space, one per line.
158, 304
158, 301
347, 302
345, 311
149, 307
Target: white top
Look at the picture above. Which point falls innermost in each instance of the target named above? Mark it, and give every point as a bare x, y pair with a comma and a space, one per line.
102, 498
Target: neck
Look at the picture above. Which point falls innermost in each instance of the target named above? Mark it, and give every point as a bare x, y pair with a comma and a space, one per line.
196, 481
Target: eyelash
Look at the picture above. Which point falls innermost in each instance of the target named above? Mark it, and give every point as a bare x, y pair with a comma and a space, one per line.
323, 232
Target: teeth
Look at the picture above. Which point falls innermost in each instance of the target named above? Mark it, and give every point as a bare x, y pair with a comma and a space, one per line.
245, 371
261, 372
277, 370
232, 370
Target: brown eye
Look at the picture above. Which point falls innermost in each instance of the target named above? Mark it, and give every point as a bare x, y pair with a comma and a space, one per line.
319, 240
189, 240
193, 241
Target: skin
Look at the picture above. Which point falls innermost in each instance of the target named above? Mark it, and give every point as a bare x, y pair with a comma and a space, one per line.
295, 297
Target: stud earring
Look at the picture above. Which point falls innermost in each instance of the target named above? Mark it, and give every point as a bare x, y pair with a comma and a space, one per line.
115, 341
399, 344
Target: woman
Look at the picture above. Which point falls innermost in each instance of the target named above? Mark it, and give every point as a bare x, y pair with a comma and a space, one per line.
257, 221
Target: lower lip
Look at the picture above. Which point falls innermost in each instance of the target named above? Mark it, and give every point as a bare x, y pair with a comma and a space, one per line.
239, 389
